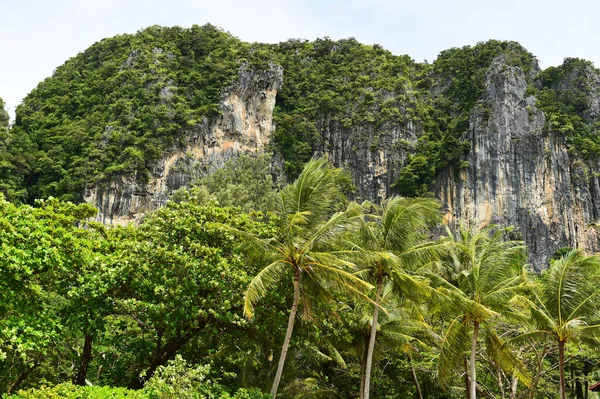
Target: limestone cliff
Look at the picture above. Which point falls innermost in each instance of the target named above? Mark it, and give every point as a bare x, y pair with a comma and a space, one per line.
244, 125
135, 117
520, 170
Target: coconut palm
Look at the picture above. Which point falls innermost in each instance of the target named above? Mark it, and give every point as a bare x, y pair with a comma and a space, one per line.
481, 275
566, 305
304, 246
393, 243
397, 327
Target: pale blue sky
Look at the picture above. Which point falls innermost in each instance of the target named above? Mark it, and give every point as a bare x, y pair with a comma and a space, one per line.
36, 36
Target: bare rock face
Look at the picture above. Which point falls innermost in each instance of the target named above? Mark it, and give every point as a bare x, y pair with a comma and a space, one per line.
374, 156
244, 125
521, 174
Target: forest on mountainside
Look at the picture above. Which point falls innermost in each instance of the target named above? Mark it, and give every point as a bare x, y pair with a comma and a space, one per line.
115, 109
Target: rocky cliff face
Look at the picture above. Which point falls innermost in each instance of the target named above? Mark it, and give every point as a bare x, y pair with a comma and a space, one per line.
374, 155
519, 171
244, 125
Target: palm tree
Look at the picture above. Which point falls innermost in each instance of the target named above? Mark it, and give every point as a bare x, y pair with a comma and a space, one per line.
397, 328
483, 272
394, 243
566, 305
304, 244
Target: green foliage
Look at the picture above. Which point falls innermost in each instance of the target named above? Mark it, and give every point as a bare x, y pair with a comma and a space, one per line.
176, 287
482, 273
12, 166
246, 181
186, 277
112, 110
70, 391
4, 119
331, 83
178, 381
38, 245
175, 381
564, 93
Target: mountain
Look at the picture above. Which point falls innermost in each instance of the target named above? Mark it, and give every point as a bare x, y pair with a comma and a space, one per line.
135, 117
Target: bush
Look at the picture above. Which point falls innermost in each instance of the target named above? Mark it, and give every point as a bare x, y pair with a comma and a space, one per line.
175, 381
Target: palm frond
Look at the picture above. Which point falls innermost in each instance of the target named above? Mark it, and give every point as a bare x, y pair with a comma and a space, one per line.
453, 349
504, 356
261, 283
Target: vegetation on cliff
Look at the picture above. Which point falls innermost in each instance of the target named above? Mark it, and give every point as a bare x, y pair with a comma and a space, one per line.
113, 111
566, 94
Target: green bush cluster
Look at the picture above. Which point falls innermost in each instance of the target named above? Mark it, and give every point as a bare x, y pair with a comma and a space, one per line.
564, 93
175, 381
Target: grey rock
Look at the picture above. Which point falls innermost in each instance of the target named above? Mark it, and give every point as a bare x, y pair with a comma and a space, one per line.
519, 172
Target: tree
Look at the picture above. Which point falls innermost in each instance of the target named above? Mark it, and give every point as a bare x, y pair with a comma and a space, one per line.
566, 305
40, 247
246, 181
395, 243
304, 244
182, 275
482, 274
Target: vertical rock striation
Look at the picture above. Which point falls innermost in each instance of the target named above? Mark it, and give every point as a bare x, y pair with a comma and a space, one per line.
520, 173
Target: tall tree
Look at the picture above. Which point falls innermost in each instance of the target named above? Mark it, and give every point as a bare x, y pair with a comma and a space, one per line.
483, 272
566, 305
182, 276
304, 245
40, 247
396, 243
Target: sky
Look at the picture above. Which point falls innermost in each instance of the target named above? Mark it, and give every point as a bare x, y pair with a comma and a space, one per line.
36, 36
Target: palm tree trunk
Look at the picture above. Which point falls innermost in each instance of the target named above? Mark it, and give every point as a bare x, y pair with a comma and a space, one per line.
513, 386
363, 367
472, 361
467, 383
414, 376
373, 335
561, 368
288, 334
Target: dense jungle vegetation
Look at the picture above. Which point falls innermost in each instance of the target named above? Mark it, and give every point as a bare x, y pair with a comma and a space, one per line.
113, 110
248, 287
319, 297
